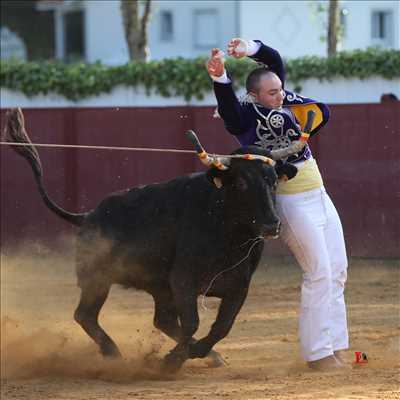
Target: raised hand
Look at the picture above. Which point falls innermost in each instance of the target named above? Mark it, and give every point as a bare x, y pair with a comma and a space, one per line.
237, 48
216, 64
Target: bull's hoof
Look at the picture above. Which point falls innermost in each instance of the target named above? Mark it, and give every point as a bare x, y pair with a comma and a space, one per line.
215, 360
201, 349
173, 362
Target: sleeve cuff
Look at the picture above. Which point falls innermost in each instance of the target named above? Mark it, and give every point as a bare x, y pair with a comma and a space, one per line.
221, 79
252, 47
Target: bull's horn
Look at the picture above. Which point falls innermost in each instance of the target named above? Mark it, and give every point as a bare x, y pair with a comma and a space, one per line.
218, 162
310, 120
195, 141
264, 159
297, 145
203, 155
293, 148
221, 162
205, 158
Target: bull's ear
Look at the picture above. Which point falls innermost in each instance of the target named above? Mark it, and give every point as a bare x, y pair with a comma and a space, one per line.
285, 171
217, 177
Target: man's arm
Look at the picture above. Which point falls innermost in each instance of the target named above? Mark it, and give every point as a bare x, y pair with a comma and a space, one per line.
230, 110
229, 107
271, 58
259, 52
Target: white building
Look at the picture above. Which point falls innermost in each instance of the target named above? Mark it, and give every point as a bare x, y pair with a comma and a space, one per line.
297, 28
191, 28
93, 30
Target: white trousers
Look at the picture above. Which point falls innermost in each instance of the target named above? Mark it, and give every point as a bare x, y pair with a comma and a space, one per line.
312, 229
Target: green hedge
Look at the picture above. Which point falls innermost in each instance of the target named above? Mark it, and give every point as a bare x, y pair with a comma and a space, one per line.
182, 77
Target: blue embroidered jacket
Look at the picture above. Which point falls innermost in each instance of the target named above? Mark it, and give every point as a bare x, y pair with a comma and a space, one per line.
253, 123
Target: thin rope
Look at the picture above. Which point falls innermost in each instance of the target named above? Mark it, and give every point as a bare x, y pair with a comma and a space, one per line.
76, 146
257, 240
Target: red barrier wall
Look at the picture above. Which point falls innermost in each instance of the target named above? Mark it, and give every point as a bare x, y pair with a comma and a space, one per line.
358, 154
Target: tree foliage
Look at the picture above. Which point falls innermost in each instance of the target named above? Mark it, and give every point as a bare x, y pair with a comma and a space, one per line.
183, 77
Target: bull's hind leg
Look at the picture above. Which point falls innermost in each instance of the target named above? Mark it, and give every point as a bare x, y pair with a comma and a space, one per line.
87, 313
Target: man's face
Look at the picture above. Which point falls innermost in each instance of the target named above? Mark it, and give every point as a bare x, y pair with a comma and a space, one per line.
270, 93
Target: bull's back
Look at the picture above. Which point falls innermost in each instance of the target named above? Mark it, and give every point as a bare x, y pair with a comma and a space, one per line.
133, 233
142, 211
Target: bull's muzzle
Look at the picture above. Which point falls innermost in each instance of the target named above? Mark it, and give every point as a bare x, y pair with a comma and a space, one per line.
272, 231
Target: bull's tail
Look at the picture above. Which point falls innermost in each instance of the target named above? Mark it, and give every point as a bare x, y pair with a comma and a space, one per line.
14, 131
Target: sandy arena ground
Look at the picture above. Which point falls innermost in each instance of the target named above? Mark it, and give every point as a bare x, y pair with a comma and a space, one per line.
46, 355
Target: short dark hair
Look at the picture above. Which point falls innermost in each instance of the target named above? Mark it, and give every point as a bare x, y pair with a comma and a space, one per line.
254, 78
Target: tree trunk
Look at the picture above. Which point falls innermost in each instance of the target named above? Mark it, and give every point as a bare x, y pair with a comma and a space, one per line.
135, 28
333, 27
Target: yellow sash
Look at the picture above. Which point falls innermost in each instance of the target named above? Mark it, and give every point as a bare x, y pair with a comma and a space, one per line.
308, 177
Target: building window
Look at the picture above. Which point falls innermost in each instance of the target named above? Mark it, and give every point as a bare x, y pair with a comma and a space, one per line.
74, 36
69, 26
167, 26
382, 28
206, 28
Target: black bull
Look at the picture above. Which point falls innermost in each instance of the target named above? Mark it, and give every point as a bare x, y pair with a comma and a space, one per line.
172, 240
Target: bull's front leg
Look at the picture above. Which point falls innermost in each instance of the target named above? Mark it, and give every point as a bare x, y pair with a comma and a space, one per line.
185, 299
228, 310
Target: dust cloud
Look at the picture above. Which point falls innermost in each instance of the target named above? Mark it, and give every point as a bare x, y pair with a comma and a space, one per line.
39, 337
44, 353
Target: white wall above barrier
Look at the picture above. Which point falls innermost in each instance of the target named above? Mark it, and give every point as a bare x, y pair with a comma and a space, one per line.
338, 91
